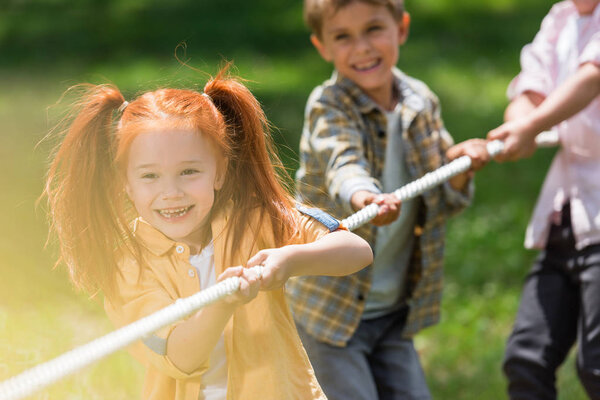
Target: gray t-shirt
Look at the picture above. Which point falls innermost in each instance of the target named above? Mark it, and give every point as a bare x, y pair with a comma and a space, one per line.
394, 242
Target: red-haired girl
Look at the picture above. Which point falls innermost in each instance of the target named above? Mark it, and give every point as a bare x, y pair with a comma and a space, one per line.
195, 172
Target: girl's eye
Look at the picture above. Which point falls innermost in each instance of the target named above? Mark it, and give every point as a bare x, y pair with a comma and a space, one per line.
189, 171
374, 28
149, 175
341, 36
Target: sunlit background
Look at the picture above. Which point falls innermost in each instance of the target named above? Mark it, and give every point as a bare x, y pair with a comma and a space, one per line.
466, 50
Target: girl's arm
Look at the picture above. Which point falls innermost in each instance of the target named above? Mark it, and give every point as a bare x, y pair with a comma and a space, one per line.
335, 254
190, 344
567, 100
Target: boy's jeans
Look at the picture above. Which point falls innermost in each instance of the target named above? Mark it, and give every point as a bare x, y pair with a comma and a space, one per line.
560, 303
376, 363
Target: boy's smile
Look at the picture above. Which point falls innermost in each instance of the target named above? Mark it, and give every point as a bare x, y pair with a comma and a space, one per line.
362, 41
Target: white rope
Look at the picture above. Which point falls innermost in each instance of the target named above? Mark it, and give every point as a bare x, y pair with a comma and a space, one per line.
44, 374
434, 178
51, 371
421, 185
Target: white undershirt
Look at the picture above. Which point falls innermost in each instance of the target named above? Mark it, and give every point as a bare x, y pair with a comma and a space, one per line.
394, 242
214, 380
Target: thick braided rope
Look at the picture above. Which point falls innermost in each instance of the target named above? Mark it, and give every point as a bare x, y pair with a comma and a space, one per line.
51, 371
44, 374
421, 185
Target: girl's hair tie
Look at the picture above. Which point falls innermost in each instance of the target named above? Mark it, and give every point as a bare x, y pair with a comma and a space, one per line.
123, 106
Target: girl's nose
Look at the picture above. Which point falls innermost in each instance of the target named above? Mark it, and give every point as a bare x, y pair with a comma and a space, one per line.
172, 191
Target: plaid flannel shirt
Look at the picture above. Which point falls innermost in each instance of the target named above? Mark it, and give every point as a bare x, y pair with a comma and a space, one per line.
343, 140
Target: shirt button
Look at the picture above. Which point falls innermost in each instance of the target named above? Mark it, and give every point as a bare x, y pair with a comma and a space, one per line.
191, 272
179, 249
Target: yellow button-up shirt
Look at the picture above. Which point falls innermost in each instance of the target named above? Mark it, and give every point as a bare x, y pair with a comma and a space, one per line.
265, 357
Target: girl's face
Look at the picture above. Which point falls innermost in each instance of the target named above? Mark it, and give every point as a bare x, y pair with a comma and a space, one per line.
171, 180
585, 7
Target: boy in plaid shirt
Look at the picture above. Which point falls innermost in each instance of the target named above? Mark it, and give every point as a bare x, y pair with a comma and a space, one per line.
368, 130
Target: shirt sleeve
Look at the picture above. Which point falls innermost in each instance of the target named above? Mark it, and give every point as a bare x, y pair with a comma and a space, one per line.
538, 63
138, 297
456, 200
591, 51
336, 140
311, 228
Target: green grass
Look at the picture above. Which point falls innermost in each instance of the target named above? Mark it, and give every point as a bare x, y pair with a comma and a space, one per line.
455, 46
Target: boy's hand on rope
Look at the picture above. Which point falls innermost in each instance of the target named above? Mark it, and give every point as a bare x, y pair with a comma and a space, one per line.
519, 140
389, 205
249, 285
277, 266
474, 148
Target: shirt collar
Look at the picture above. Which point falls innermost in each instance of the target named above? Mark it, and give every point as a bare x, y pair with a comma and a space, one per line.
151, 238
411, 101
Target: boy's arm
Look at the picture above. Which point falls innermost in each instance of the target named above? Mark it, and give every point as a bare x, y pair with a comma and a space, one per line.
474, 148
567, 100
336, 142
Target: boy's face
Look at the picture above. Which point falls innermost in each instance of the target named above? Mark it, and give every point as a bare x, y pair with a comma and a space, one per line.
362, 41
586, 7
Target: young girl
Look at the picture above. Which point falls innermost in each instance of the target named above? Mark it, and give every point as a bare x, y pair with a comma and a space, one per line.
198, 170
559, 85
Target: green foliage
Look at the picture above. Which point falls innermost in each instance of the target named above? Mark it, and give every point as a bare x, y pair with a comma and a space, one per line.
466, 50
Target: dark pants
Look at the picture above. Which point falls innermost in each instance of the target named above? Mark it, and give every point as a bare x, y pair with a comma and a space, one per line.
560, 304
375, 364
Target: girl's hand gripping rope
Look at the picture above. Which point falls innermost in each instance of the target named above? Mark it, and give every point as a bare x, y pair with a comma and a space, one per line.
249, 284
277, 265
335, 254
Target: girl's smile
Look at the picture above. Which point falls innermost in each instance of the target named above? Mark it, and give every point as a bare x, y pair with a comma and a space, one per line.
174, 214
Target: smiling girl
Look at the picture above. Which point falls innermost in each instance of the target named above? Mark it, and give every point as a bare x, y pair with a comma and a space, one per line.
156, 199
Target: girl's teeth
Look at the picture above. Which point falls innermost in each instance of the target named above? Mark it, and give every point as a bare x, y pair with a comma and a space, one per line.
174, 213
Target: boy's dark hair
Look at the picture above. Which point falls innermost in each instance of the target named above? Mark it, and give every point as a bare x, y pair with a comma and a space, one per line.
314, 10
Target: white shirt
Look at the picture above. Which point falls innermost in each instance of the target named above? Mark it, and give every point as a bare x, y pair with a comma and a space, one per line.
214, 380
394, 242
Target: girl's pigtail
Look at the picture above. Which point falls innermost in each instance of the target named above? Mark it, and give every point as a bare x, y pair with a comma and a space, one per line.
83, 191
252, 173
